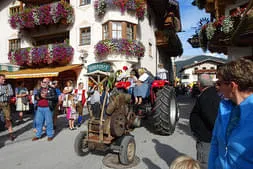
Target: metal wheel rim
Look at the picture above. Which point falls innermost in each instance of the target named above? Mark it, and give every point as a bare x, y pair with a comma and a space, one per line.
130, 151
173, 111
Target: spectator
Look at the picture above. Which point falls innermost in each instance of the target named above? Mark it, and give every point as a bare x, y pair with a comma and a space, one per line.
56, 110
35, 92
142, 86
95, 101
203, 117
22, 102
71, 111
161, 72
68, 89
184, 162
5, 93
132, 79
47, 100
231, 145
81, 99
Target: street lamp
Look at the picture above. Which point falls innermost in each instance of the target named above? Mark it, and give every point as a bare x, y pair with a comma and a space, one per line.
84, 54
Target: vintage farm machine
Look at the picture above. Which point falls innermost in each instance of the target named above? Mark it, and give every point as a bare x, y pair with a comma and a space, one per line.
111, 131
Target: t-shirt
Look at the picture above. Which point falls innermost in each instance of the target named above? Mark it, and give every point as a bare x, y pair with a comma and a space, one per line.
79, 95
132, 80
43, 102
162, 73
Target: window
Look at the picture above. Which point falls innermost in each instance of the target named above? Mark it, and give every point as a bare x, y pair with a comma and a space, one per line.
51, 39
106, 31
195, 68
84, 2
150, 49
116, 30
14, 10
212, 68
130, 31
14, 44
85, 36
204, 68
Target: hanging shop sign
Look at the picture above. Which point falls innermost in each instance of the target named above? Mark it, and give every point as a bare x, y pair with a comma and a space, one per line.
105, 67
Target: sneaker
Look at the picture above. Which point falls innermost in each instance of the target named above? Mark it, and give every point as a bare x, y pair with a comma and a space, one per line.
12, 137
49, 138
35, 138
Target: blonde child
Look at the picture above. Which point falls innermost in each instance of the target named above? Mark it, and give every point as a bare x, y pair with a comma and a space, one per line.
71, 111
184, 162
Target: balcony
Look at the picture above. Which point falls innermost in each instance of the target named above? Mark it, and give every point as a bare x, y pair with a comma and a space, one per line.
54, 13
119, 47
41, 56
167, 41
161, 38
244, 33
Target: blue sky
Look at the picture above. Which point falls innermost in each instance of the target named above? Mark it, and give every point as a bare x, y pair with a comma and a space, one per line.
190, 15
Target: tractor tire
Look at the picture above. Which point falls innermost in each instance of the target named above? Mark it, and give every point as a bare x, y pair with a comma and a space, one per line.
81, 144
127, 150
165, 111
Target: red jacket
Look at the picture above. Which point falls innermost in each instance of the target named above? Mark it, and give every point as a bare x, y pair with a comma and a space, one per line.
83, 95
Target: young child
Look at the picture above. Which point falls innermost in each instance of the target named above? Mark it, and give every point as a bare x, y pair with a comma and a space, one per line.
184, 162
132, 79
71, 111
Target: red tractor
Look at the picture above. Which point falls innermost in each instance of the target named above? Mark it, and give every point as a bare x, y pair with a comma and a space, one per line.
160, 107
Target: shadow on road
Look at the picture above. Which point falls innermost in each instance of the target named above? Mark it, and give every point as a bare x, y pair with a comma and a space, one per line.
150, 164
166, 152
184, 129
4, 139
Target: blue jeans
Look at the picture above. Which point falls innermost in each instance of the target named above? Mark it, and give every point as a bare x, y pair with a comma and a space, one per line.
44, 114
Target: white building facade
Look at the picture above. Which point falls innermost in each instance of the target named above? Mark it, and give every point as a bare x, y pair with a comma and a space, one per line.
83, 35
190, 73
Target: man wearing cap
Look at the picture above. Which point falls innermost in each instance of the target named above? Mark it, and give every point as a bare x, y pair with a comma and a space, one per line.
202, 117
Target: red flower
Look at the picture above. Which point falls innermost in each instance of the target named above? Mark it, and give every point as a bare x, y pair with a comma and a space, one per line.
125, 68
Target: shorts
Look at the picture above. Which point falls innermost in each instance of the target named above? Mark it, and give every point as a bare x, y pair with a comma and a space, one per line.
6, 110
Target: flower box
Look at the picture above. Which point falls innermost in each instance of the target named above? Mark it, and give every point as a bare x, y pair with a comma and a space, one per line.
43, 15
52, 54
119, 46
137, 6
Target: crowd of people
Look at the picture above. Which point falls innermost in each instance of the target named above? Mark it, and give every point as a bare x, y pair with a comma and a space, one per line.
221, 119
45, 102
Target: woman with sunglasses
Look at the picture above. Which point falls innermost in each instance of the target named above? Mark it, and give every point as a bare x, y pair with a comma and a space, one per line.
231, 145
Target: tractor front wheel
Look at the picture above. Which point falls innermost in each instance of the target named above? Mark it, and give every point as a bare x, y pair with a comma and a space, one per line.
127, 150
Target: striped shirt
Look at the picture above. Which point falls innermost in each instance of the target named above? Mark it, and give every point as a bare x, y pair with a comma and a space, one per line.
5, 92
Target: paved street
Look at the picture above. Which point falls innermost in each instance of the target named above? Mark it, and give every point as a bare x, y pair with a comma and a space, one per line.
154, 151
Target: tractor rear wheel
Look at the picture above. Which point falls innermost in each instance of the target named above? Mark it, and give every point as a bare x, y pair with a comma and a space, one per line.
165, 111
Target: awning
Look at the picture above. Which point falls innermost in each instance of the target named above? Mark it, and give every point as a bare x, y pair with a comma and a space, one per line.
40, 72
